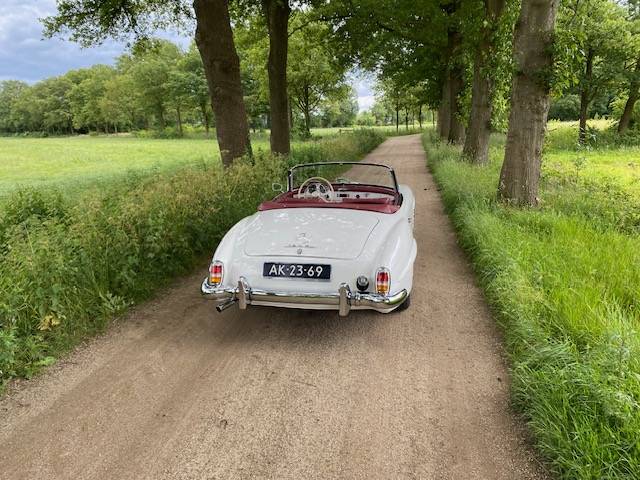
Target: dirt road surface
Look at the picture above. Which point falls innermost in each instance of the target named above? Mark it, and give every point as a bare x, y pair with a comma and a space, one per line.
176, 390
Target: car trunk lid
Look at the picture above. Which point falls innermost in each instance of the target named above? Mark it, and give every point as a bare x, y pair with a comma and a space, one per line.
310, 233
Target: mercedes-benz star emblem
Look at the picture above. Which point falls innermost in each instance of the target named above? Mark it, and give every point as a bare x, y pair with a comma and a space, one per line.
302, 241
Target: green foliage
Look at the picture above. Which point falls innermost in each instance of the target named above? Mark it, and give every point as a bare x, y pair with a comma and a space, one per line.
404, 41
154, 85
565, 108
313, 74
339, 109
85, 97
597, 33
252, 44
366, 118
70, 263
564, 281
91, 22
10, 92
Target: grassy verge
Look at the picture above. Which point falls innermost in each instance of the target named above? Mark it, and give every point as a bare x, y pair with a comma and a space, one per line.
564, 282
69, 263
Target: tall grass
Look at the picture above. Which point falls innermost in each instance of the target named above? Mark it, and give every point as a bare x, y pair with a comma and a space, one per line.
564, 282
69, 263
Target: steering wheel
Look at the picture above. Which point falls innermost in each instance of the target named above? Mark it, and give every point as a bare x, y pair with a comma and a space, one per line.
317, 187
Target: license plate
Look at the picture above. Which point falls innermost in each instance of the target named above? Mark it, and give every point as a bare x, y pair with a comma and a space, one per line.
297, 270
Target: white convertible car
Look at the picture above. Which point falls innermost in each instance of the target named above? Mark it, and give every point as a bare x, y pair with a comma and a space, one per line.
343, 245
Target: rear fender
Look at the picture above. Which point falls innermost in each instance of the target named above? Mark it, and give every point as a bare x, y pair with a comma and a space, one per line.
227, 247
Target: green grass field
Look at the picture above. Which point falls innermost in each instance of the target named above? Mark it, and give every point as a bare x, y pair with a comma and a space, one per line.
618, 164
74, 162
564, 282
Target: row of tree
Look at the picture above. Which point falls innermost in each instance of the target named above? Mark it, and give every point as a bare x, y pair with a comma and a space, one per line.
154, 84
92, 21
478, 62
494, 64
459, 57
157, 84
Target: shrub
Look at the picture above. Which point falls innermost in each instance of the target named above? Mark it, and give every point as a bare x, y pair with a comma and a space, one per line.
565, 108
68, 265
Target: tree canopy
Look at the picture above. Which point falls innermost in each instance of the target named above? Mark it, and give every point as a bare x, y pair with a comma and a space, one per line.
284, 64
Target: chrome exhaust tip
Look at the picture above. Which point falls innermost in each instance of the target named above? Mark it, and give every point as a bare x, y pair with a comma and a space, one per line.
221, 307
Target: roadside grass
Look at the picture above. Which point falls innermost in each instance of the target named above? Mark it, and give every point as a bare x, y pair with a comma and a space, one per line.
564, 283
69, 262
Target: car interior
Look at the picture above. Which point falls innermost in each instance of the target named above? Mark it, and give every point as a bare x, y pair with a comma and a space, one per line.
324, 194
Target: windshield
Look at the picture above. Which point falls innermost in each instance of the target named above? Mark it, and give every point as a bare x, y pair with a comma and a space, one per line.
346, 173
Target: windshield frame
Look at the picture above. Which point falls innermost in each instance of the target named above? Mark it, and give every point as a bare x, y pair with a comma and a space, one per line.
320, 164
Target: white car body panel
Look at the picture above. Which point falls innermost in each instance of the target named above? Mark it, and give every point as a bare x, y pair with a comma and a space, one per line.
353, 242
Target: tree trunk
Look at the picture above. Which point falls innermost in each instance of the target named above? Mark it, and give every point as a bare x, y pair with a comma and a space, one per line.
476, 145
214, 38
397, 117
456, 127
585, 97
420, 116
449, 125
627, 114
290, 115
406, 119
307, 119
306, 110
277, 17
205, 118
533, 55
634, 88
444, 111
179, 120
161, 122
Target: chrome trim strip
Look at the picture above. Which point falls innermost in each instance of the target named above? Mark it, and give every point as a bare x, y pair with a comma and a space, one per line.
344, 299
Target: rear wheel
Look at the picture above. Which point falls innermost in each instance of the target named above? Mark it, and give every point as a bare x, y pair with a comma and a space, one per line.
404, 305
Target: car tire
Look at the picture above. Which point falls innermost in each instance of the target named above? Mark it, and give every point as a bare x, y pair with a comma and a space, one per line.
404, 305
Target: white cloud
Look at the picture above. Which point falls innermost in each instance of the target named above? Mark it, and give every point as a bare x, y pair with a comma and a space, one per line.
25, 55
366, 102
363, 84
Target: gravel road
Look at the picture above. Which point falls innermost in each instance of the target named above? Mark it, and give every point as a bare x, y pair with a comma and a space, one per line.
176, 390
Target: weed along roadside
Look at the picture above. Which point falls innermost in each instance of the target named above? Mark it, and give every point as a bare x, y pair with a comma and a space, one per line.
564, 283
69, 264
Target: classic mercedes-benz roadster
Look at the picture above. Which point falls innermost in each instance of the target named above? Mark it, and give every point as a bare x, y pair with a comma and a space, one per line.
345, 244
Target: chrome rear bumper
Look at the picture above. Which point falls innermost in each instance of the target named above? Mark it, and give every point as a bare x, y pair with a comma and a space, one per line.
343, 300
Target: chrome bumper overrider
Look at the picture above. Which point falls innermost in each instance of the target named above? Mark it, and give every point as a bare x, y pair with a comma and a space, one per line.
344, 299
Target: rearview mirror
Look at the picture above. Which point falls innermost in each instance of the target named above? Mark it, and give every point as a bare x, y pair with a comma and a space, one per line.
277, 187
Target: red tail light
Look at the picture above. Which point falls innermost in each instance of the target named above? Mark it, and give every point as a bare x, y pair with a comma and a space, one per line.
383, 281
215, 273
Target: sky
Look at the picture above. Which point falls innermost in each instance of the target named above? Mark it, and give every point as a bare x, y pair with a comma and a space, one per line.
26, 56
